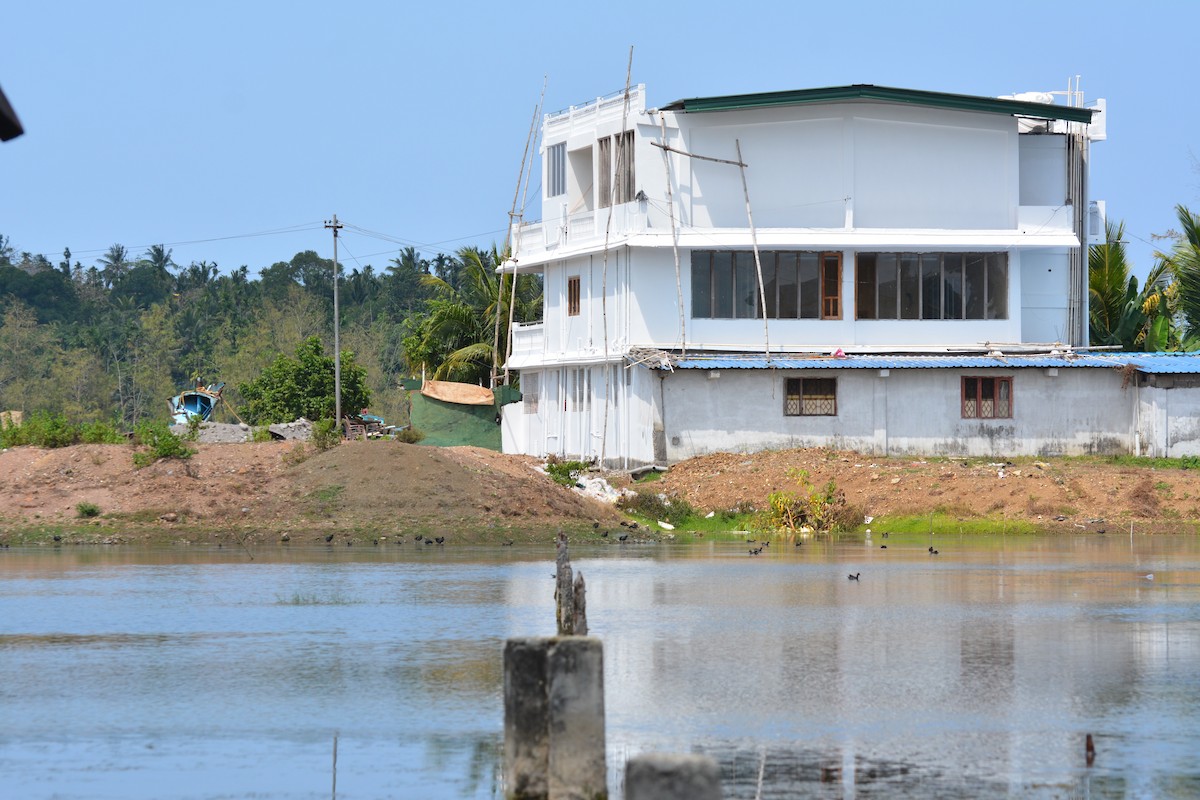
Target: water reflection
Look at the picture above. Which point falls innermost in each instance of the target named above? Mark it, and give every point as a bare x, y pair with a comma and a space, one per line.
182, 672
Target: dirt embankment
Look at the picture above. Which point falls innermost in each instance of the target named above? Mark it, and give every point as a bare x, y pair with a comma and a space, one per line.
365, 490
261, 491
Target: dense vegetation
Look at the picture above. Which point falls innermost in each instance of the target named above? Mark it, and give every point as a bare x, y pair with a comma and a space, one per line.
110, 342
114, 340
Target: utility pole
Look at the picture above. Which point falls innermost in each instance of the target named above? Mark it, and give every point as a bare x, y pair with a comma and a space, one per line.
337, 341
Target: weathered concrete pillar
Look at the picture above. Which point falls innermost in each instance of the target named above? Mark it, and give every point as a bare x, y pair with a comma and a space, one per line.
666, 776
575, 678
554, 746
526, 735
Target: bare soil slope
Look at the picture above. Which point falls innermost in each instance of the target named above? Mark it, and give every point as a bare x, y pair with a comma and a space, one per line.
1080, 491
262, 491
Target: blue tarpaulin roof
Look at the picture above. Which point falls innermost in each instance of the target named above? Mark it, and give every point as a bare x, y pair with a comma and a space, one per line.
1143, 362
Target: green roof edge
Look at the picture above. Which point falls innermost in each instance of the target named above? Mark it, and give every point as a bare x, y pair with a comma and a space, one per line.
866, 91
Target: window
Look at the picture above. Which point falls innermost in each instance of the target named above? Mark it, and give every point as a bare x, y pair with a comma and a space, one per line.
616, 184
530, 392
931, 286
810, 397
797, 285
573, 296
556, 170
986, 398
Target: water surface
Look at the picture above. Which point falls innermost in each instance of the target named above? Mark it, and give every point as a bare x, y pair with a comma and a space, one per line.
199, 673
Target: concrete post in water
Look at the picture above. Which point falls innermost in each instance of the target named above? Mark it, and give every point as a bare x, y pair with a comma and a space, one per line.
666, 776
554, 719
576, 722
526, 736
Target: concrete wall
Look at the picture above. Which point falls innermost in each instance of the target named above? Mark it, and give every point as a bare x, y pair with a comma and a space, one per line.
915, 412
588, 412
1169, 417
896, 166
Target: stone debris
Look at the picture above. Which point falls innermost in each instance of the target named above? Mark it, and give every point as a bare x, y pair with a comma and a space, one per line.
228, 433
600, 489
300, 429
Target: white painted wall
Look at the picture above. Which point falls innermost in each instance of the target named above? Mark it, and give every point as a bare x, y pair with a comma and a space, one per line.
1169, 418
1045, 291
908, 412
1043, 170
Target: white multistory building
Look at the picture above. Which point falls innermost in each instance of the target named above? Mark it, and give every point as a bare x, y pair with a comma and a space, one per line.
888, 270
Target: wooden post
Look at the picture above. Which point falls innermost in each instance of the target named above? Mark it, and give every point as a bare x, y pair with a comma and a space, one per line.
564, 588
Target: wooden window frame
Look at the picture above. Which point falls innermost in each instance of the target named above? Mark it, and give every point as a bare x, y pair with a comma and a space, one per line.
831, 297
809, 397
573, 285
976, 411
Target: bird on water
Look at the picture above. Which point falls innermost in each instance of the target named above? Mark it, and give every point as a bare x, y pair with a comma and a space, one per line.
854, 577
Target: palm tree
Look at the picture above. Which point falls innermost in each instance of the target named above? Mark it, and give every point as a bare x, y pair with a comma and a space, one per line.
114, 264
1120, 314
457, 334
1184, 263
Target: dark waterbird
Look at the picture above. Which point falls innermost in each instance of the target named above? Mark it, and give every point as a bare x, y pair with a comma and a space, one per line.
854, 577
604, 535
329, 538
429, 541
440, 539
1089, 750
623, 536
883, 547
506, 543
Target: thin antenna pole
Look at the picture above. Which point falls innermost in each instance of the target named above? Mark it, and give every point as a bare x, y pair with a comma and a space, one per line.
623, 156
514, 214
337, 341
762, 292
662, 120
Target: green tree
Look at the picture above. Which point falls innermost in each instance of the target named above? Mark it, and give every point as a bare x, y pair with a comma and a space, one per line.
456, 337
1119, 313
303, 387
113, 264
1184, 263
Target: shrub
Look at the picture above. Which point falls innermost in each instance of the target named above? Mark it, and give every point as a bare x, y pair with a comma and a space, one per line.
326, 434
409, 435
99, 433
657, 506
41, 429
88, 510
820, 509
565, 472
261, 434
160, 443
192, 433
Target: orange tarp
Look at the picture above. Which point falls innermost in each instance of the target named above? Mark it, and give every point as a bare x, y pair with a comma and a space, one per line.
464, 394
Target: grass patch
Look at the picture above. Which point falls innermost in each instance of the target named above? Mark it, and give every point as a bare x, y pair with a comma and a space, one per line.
565, 472
325, 500
944, 524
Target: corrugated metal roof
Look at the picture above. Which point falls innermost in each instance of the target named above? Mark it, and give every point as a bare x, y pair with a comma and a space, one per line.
866, 91
1144, 362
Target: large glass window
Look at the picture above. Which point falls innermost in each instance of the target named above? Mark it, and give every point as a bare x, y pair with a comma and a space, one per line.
796, 285
931, 286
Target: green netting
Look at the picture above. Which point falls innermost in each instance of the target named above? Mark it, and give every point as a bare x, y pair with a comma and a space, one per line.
450, 424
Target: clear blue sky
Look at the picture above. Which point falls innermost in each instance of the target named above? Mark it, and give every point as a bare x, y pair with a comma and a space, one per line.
194, 124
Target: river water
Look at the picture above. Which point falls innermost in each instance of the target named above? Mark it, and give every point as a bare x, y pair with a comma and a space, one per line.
200, 673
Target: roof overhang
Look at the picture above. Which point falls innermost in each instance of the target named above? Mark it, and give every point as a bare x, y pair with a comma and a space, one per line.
882, 94
10, 126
